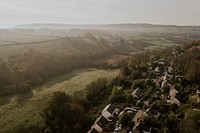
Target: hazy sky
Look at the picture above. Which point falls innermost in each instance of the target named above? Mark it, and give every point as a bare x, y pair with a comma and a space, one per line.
178, 12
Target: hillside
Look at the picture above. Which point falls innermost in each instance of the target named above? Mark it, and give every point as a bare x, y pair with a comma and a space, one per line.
156, 92
23, 111
121, 26
128, 27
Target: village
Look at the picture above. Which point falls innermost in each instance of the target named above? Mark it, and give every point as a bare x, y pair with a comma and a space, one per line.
148, 105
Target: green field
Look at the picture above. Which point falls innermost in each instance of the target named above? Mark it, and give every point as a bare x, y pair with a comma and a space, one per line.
155, 42
160, 43
15, 42
25, 110
24, 37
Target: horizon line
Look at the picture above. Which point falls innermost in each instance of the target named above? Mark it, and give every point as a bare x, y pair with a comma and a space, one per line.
95, 24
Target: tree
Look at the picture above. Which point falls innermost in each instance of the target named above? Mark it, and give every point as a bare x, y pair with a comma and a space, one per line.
5, 73
117, 95
139, 83
64, 115
124, 119
136, 74
173, 107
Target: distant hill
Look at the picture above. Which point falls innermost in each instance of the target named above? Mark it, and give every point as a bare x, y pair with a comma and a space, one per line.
124, 28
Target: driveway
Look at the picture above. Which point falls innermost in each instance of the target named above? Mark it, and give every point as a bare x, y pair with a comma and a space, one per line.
138, 115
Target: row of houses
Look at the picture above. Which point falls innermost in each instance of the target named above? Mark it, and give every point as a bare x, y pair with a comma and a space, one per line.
164, 75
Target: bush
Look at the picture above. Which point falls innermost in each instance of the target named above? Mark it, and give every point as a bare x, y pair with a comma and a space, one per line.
173, 107
124, 119
139, 103
139, 83
136, 74
98, 91
129, 98
95, 88
117, 95
64, 115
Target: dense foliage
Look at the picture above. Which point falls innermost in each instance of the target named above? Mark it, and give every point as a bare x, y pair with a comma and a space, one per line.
21, 72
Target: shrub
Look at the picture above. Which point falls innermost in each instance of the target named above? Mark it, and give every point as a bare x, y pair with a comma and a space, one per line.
136, 74
117, 95
124, 119
139, 83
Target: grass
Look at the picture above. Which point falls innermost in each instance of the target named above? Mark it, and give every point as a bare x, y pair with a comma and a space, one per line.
25, 110
24, 37
155, 42
15, 42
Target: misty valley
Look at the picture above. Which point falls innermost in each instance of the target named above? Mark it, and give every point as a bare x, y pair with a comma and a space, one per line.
134, 78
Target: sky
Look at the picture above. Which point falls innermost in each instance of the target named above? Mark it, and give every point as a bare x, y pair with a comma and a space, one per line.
174, 12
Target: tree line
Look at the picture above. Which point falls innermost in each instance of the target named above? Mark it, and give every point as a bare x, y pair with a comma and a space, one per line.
21, 72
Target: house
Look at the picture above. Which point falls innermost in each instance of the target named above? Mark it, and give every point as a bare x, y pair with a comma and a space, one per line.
161, 63
179, 78
170, 77
174, 101
164, 83
195, 98
171, 63
157, 69
99, 125
172, 92
170, 69
198, 93
101, 122
93, 130
165, 77
108, 111
152, 112
137, 93
141, 128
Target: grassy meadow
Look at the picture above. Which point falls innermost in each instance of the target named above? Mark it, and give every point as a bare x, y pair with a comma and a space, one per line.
155, 42
25, 110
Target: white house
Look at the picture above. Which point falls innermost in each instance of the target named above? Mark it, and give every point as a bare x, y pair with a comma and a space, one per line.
172, 93
137, 93
99, 125
164, 82
101, 122
174, 101
108, 111
157, 69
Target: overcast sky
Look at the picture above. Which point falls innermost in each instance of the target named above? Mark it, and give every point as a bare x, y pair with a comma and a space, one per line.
177, 12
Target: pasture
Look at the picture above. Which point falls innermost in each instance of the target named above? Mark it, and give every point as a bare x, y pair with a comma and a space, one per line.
25, 110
